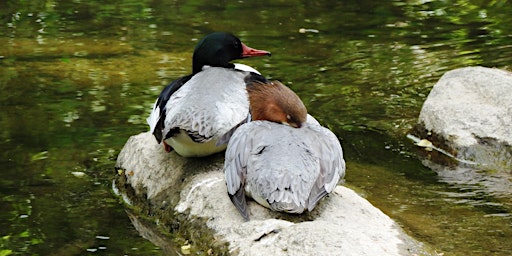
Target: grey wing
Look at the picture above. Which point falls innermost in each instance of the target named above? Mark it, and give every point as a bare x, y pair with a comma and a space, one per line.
332, 165
235, 167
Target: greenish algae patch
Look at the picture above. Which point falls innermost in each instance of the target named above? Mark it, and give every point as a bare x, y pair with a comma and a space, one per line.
48, 48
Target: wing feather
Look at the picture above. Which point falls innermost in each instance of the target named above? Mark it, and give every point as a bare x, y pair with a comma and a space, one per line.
332, 164
235, 167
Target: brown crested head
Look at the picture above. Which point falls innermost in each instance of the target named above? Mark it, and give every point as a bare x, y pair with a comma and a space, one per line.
273, 101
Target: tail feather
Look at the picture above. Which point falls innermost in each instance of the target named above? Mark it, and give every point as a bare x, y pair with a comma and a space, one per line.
288, 207
153, 118
238, 199
153, 121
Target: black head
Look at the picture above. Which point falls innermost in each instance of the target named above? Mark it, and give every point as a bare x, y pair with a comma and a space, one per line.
218, 49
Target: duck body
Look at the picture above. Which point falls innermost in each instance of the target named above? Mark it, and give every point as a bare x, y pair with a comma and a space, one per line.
193, 111
281, 167
287, 168
212, 102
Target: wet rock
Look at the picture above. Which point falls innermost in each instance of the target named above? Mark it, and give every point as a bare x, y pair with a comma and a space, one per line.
468, 114
188, 198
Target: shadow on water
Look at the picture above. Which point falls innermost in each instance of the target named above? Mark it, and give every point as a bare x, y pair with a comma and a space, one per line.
77, 79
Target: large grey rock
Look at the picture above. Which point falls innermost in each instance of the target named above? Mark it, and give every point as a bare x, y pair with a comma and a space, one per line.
469, 113
194, 191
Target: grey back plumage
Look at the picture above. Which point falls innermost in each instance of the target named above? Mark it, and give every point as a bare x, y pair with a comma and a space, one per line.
213, 101
284, 168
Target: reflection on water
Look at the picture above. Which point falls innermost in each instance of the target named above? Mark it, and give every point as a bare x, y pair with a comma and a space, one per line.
78, 79
150, 231
476, 187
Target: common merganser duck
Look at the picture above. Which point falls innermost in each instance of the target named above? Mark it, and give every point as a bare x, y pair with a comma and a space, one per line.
193, 111
283, 159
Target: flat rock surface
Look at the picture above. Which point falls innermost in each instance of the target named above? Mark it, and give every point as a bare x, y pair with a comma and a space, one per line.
342, 224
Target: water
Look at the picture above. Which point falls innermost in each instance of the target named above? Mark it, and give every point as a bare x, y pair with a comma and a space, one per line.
78, 78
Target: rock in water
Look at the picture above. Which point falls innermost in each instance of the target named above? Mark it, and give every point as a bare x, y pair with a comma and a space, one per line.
469, 114
188, 197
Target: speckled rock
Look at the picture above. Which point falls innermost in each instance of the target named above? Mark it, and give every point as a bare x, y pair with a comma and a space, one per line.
193, 191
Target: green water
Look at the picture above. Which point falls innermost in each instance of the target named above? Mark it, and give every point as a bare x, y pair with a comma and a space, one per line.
78, 78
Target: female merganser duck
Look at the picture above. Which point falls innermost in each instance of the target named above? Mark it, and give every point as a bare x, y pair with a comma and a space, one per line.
193, 111
284, 159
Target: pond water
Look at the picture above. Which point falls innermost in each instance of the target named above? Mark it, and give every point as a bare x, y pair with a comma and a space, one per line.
79, 77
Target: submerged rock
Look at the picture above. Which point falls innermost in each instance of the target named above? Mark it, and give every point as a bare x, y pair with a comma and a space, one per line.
468, 114
188, 197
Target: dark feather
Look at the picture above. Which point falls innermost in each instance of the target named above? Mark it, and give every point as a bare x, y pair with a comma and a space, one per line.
196, 137
253, 77
240, 202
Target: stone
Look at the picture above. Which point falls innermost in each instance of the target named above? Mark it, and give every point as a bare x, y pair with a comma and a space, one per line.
468, 113
188, 196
